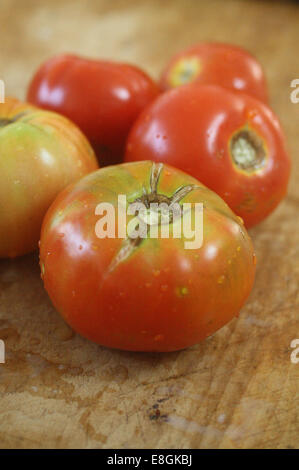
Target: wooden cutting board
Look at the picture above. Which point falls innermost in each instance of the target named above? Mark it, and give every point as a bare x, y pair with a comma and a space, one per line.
239, 388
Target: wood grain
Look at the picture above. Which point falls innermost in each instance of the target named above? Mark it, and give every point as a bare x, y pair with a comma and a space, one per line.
237, 389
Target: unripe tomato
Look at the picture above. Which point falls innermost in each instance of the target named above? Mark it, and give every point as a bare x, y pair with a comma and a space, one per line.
231, 142
40, 153
103, 98
144, 293
220, 64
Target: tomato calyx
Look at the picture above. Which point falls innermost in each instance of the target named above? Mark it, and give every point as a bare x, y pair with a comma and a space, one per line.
167, 208
158, 209
247, 150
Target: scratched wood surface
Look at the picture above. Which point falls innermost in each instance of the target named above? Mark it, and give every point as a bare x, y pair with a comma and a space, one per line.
237, 389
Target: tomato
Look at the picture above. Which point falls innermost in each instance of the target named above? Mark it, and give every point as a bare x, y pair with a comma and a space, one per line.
40, 153
144, 293
102, 98
217, 64
231, 142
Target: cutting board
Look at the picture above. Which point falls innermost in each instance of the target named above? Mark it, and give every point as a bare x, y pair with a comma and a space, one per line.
237, 389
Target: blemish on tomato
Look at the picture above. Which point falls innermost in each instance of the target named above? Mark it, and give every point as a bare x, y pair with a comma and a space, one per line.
221, 279
182, 291
159, 337
42, 267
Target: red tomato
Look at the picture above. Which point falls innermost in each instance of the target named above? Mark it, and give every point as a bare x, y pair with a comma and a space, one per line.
217, 64
102, 98
231, 142
144, 294
40, 154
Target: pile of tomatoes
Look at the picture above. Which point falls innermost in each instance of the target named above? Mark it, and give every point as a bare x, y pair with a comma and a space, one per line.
204, 134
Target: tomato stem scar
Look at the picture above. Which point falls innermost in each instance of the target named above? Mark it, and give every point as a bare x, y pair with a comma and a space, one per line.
247, 150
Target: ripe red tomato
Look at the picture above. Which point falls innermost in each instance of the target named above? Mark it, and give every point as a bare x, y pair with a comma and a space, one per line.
231, 142
144, 294
102, 98
40, 154
217, 64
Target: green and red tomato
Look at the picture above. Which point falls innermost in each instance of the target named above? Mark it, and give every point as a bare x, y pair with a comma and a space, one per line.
144, 294
40, 153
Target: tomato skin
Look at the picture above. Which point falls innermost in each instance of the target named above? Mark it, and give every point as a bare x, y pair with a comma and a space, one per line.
40, 153
162, 297
192, 128
212, 63
103, 98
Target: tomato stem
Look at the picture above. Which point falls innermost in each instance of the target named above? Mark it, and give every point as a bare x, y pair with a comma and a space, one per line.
153, 197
